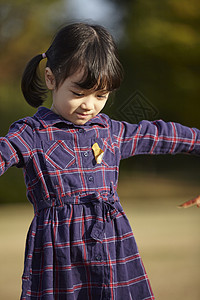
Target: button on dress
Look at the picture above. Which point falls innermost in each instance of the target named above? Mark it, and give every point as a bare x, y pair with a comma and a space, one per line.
80, 244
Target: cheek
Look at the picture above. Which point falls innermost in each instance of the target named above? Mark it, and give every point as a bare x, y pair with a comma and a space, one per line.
72, 105
101, 105
66, 104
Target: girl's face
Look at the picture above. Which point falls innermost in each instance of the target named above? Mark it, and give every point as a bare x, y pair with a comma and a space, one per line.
72, 103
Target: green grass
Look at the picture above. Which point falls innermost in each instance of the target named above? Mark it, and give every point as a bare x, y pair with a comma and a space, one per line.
167, 237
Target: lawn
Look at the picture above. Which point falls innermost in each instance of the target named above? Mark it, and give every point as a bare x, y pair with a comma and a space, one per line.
168, 238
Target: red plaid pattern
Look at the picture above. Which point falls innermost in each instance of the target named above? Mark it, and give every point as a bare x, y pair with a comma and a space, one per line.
80, 244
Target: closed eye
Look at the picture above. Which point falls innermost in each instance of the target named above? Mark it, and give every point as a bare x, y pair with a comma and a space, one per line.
78, 94
99, 96
103, 96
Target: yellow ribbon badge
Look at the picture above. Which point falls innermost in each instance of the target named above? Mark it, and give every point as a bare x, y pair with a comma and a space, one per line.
98, 153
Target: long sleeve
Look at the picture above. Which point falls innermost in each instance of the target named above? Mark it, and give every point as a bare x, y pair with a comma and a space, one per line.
16, 146
156, 137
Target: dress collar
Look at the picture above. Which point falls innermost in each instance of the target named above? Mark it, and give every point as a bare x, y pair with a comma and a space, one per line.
48, 118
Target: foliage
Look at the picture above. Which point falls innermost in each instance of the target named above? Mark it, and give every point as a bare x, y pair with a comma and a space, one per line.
160, 52
25, 29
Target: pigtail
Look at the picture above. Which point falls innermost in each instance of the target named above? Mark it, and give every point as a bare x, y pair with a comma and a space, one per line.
33, 89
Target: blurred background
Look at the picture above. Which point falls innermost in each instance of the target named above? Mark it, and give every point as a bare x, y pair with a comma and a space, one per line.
159, 45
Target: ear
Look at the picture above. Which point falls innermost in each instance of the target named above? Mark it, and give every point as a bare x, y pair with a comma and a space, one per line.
50, 79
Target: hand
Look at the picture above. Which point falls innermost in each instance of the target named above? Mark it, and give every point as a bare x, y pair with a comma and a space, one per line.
195, 201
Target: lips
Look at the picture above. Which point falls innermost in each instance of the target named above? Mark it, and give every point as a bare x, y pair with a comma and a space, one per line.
82, 115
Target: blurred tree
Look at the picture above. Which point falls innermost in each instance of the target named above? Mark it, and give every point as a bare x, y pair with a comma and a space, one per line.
160, 52
25, 29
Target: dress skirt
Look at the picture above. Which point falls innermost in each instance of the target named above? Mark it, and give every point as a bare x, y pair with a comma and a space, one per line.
83, 251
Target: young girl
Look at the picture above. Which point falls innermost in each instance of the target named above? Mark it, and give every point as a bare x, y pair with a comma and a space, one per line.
80, 244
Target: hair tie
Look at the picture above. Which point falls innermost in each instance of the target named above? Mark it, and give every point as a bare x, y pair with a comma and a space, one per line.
44, 55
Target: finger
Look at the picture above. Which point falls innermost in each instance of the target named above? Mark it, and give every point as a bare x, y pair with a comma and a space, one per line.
195, 201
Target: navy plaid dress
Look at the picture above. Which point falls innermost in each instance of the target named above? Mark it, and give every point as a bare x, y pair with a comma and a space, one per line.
80, 244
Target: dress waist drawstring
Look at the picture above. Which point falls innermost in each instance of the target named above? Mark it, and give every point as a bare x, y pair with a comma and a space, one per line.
104, 205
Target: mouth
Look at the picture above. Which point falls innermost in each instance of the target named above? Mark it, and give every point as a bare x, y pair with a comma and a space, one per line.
82, 115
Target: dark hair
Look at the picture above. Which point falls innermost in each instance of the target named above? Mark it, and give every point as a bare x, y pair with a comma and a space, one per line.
76, 46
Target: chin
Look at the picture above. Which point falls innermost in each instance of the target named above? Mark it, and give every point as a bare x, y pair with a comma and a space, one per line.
79, 122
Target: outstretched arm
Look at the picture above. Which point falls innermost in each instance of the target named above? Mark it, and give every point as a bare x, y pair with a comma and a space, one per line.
157, 137
16, 146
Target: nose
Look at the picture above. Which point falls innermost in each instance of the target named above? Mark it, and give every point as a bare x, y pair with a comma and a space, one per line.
88, 102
